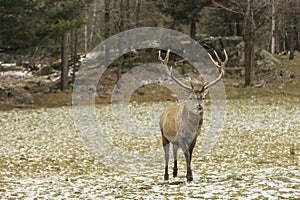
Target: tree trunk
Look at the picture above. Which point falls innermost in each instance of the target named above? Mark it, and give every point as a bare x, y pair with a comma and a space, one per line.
128, 26
291, 34
284, 42
298, 41
127, 14
235, 28
75, 37
64, 61
193, 30
292, 45
292, 30
279, 35
93, 25
86, 34
273, 26
137, 13
121, 27
106, 28
249, 61
106, 19
72, 51
248, 37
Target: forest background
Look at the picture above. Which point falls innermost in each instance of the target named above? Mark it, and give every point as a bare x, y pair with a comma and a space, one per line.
43, 33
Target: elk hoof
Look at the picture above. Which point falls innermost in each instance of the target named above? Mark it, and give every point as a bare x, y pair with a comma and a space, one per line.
189, 179
166, 177
174, 174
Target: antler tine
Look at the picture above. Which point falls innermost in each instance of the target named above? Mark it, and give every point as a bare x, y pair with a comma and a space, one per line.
170, 71
219, 66
166, 60
207, 85
215, 62
226, 58
220, 62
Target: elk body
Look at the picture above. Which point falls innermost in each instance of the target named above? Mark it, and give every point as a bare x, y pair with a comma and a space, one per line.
181, 124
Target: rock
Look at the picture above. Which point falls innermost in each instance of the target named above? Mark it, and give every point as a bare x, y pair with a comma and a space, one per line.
26, 98
2, 93
26, 87
260, 84
265, 61
46, 71
286, 74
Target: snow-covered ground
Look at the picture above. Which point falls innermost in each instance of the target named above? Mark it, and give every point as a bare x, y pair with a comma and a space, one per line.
18, 79
42, 156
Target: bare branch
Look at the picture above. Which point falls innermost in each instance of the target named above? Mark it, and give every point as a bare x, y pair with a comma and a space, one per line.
226, 8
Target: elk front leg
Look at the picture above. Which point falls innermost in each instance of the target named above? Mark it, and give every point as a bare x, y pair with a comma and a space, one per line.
166, 150
189, 175
188, 157
175, 150
191, 147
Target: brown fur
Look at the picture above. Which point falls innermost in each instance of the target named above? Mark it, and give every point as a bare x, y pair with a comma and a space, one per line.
170, 121
181, 124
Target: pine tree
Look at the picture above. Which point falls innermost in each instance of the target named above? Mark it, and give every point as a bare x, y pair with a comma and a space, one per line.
62, 16
20, 28
26, 24
183, 12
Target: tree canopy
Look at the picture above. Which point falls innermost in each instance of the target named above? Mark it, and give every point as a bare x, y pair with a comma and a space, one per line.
20, 27
183, 12
27, 23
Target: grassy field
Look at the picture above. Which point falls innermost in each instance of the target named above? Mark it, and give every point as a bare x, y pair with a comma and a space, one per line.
257, 155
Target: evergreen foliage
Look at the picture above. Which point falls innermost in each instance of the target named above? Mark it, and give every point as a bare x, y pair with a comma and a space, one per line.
66, 15
20, 26
182, 11
27, 23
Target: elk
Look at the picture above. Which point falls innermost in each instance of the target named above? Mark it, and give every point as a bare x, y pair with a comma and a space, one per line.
181, 124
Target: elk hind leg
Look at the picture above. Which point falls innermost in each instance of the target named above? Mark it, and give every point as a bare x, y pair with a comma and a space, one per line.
175, 150
166, 150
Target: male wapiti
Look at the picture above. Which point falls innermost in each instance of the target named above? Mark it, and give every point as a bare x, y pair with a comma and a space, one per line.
181, 124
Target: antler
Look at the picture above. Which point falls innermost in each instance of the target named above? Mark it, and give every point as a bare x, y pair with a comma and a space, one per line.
169, 71
220, 65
